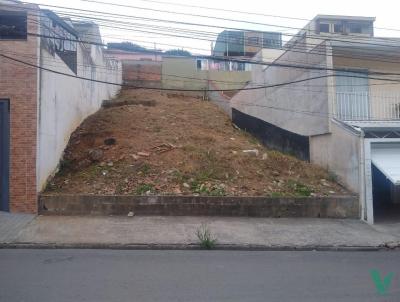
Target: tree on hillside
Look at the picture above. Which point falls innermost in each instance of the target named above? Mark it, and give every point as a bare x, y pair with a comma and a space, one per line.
127, 46
178, 52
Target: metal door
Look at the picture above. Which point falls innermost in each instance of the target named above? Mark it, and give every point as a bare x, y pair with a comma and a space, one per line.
4, 154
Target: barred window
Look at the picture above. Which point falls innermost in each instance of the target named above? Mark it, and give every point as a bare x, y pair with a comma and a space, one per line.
13, 25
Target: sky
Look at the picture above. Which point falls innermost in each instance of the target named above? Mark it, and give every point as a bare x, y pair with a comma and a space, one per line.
117, 28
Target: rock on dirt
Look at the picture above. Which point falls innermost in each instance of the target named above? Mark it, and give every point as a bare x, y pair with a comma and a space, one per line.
144, 154
251, 152
96, 154
110, 141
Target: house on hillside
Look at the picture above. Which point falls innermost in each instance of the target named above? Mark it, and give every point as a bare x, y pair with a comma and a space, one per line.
340, 108
203, 74
139, 68
48, 72
231, 43
148, 55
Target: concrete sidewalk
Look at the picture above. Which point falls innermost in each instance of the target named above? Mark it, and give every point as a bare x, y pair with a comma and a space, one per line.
12, 224
180, 232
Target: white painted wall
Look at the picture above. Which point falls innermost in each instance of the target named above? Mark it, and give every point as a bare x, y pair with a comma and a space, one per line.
301, 108
270, 54
339, 152
66, 101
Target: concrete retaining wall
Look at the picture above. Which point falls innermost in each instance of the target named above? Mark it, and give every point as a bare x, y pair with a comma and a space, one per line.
339, 153
302, 107
325, 207
273, 136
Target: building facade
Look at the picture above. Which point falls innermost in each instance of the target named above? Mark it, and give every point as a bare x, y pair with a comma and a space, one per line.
231, 43
50, 80
339, 109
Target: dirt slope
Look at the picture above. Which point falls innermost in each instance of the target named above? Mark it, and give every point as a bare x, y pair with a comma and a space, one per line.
178, 145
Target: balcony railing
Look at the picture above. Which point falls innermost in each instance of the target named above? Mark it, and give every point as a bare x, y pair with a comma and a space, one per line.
362, 106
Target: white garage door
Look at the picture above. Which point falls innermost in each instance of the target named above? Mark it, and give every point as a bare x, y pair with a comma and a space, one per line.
386, 157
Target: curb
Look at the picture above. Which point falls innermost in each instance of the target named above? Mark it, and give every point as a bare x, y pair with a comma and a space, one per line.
183, 247
185, 205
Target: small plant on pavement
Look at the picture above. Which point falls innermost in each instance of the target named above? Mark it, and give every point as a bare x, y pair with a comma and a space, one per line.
207, 241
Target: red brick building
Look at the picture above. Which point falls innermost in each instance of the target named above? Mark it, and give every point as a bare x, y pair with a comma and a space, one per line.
18, 93
39, 109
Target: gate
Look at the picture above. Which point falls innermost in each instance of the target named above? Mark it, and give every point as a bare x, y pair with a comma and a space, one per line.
4, 154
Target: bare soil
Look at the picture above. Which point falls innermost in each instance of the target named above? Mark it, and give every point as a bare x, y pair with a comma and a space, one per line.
164, 143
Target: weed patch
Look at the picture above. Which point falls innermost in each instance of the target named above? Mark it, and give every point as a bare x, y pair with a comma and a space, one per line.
144, 189
206, 239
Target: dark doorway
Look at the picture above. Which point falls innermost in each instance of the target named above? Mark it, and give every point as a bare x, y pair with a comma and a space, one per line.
385, 208
4, 154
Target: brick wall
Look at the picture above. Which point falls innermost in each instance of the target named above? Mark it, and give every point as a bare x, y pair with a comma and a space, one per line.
18, 83
141, 71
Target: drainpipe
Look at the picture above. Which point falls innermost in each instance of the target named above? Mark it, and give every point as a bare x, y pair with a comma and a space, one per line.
330, 86
361, 169
38, 105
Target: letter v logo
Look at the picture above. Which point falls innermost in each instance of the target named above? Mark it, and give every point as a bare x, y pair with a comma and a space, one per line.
382, 286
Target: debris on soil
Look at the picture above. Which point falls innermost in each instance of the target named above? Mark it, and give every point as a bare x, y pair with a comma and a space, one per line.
163, 148
180, 146
251, 152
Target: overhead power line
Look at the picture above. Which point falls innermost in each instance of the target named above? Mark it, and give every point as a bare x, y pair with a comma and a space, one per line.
295, 48
230, 59
313, 113
191, 37
167, 77
281, 65
207, 16
220, 9
305, 112
239, 12
189, 90
153, 88
348, 38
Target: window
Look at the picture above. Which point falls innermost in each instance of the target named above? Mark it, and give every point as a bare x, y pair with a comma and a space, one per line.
355, 28
324, 27
338, 28
58, 40
272, 40
253, 41
13, 25
202, 64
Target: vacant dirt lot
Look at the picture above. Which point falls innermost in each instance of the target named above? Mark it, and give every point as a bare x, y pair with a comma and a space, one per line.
159, 143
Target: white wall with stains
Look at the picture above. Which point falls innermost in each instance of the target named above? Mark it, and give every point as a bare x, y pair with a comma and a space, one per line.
65, 101
302, 107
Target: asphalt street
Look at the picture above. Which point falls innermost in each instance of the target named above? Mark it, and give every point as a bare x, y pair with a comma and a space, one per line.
116, 275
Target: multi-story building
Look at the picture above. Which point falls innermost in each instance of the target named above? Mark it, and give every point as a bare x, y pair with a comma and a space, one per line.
334, 100
245, 43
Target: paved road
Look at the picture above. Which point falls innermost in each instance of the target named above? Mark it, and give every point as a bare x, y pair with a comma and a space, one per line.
107, 275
